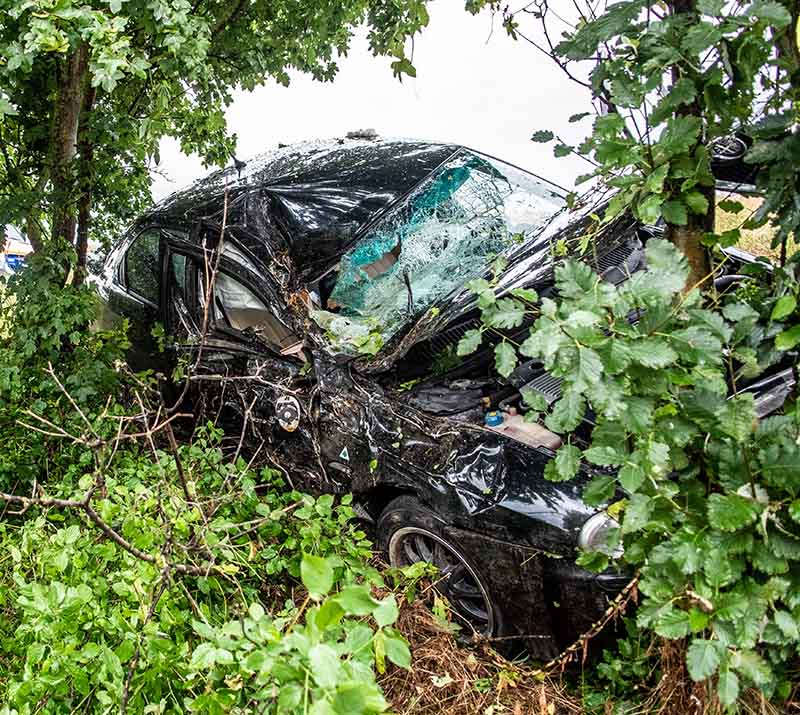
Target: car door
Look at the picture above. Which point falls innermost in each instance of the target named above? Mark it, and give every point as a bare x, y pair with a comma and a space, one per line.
133, 291
246, 367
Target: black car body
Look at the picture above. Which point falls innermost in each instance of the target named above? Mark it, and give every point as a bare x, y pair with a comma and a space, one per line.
339, 297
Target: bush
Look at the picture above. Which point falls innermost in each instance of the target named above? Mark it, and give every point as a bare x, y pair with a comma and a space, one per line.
46, 323
705, 493
145, 577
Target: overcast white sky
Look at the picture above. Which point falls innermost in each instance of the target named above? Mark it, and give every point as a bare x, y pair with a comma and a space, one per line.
473, 86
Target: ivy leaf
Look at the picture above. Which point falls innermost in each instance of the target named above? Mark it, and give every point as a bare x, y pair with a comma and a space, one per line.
600, 490
469, 343
785, 306
788, 339
325, 665
543, 136
727, 687
730, 512
770, 12
564, 465
674, 212
505, 358
702, 658
316, 574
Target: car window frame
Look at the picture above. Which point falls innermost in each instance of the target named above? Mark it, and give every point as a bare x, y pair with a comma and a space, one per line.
122, 268
192, 294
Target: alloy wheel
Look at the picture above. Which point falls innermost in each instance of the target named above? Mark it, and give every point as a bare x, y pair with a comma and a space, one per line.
456, 580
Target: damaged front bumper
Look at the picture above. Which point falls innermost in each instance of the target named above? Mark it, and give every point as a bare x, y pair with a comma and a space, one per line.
549, 601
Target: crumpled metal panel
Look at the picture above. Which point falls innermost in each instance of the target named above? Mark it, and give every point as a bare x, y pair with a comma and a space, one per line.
316, 195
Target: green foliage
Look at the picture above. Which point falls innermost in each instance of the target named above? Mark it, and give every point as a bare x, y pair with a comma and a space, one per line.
76, 622
166, 581
324, 665
709, 514
626, 670
161, 68
46, 324
672, 78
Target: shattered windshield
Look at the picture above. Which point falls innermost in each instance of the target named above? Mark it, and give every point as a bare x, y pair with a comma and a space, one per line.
443, 235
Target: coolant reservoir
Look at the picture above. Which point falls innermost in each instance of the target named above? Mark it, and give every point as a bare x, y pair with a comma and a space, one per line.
514, 426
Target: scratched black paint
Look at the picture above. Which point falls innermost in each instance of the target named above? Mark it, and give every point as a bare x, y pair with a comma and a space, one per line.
364, 427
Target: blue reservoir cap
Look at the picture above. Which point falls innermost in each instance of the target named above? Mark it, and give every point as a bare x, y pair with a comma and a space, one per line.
493, 419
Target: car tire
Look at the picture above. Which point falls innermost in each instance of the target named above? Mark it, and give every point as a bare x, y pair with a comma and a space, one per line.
409, 532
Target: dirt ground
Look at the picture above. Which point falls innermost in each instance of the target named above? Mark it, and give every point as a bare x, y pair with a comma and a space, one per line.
452, 678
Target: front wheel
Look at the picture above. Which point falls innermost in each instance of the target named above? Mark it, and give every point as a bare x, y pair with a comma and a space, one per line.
409, 533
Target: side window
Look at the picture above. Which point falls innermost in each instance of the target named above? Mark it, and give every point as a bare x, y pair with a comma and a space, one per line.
142, 270
237, 307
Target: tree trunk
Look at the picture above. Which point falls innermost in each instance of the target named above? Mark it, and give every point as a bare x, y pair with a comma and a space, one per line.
72, 85
688, 238
85, 176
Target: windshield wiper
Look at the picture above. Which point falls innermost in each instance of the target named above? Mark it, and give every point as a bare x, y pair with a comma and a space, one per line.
407, 280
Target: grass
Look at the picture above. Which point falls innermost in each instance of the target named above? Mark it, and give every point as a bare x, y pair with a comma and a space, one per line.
757, 241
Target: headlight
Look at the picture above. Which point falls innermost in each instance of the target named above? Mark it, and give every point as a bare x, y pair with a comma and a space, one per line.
772, 400
601, 533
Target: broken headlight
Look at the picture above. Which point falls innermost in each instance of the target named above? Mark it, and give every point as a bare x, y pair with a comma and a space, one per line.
772, 400
601, 533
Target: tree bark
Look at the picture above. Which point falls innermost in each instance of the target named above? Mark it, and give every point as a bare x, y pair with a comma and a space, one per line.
72, 86
85, 176
688, 238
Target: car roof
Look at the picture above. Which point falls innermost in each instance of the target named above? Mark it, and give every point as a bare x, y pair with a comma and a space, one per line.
314, 196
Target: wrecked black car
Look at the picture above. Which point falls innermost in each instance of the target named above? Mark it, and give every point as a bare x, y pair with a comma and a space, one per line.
319, 292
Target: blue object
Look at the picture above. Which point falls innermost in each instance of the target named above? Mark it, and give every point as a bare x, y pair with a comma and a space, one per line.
14, 261
493, 419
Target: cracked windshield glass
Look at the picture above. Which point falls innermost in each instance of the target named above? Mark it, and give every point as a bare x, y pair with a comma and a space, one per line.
445, 233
